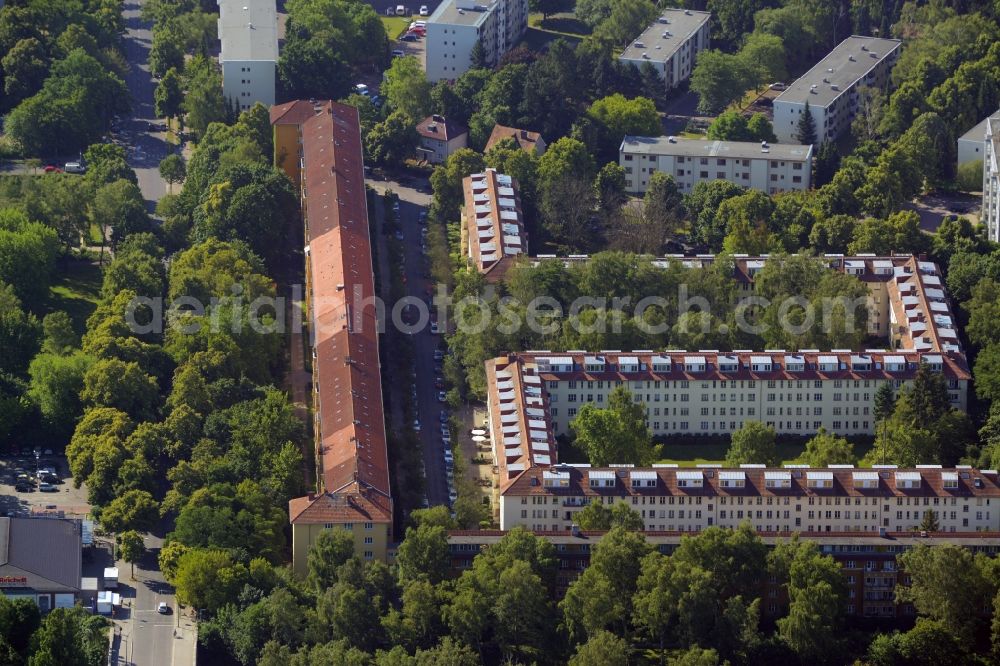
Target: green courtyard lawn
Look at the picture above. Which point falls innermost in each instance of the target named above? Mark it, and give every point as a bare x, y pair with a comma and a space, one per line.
690, 451
395, 26
76, 291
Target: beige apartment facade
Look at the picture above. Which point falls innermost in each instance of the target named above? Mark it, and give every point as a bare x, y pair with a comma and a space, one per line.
788, 499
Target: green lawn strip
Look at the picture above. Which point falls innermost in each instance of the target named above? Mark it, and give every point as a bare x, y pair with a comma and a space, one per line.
395, 26
76, 291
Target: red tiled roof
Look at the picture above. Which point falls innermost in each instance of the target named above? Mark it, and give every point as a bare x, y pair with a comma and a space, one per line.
365, 506
526, 139
974, 484
292, 113
346, 370
439, 127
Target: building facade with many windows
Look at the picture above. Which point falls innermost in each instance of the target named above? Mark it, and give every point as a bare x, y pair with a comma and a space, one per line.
248, 31
457, 25
770, 168
831, 87
533, 396
991, 180
788, 499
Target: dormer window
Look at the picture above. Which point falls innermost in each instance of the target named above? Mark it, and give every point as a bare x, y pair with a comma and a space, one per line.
732, 479
909, 480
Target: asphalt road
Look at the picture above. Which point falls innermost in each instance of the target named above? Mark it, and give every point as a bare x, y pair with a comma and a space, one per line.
150, 638
145, 149
411, 202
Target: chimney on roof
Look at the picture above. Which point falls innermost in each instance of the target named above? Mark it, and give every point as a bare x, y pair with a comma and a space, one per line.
438, 119
524, 134
574, 530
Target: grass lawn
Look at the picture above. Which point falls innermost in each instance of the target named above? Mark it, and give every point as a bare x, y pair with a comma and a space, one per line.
94, 235
395, 26
563, 23
748, 99
76, 291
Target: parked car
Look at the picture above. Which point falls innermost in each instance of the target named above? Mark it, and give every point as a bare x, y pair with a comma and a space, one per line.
408, 37
423, 10
51, 168
74, 167
47, 488
778, 85
162, 608
434, 328
441, 396
438, 354
397, 53
23, 487
361, 89
399, 234
400, 10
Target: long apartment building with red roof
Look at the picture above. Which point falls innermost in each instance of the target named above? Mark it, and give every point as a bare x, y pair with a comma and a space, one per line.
318, 144
533, 396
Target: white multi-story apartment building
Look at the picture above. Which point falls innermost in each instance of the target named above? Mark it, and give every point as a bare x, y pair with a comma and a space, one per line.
248, 30
971, 145
766, 167
831, 87
789, 499
455, 27
671, 44
990, 214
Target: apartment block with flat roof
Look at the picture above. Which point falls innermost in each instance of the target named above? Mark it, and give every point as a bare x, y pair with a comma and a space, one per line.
972, 145
248, 30
831, 87
770, 168
455, 27
671, 44
990, 215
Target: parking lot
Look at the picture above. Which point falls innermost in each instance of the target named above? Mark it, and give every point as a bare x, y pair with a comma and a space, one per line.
21, 494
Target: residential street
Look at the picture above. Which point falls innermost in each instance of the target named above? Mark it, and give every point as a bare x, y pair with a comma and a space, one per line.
411, 202
149, 638
145, 150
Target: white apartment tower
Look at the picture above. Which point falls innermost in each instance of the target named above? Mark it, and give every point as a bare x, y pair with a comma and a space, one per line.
248, 30
671, 44
831, 87
770, 168
991, 180
971, 145
455, 27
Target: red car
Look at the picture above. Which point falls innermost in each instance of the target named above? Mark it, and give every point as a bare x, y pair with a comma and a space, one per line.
51, 168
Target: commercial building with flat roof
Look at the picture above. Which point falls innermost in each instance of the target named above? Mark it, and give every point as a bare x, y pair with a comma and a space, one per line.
455, 27
493, 234
41, 559
671, 44
353, 493
248, 30
770, 168
990, 215
972, 144
831, 87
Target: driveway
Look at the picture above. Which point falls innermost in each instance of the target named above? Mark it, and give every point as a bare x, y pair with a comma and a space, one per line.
934, 207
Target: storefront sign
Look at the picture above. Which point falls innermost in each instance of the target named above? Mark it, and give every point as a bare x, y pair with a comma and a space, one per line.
13, 580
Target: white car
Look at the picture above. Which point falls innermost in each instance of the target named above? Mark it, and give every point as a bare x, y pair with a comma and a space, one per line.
423, 10
361, 89
435, 329
162, 608
74, 167
442, 397
416, 425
